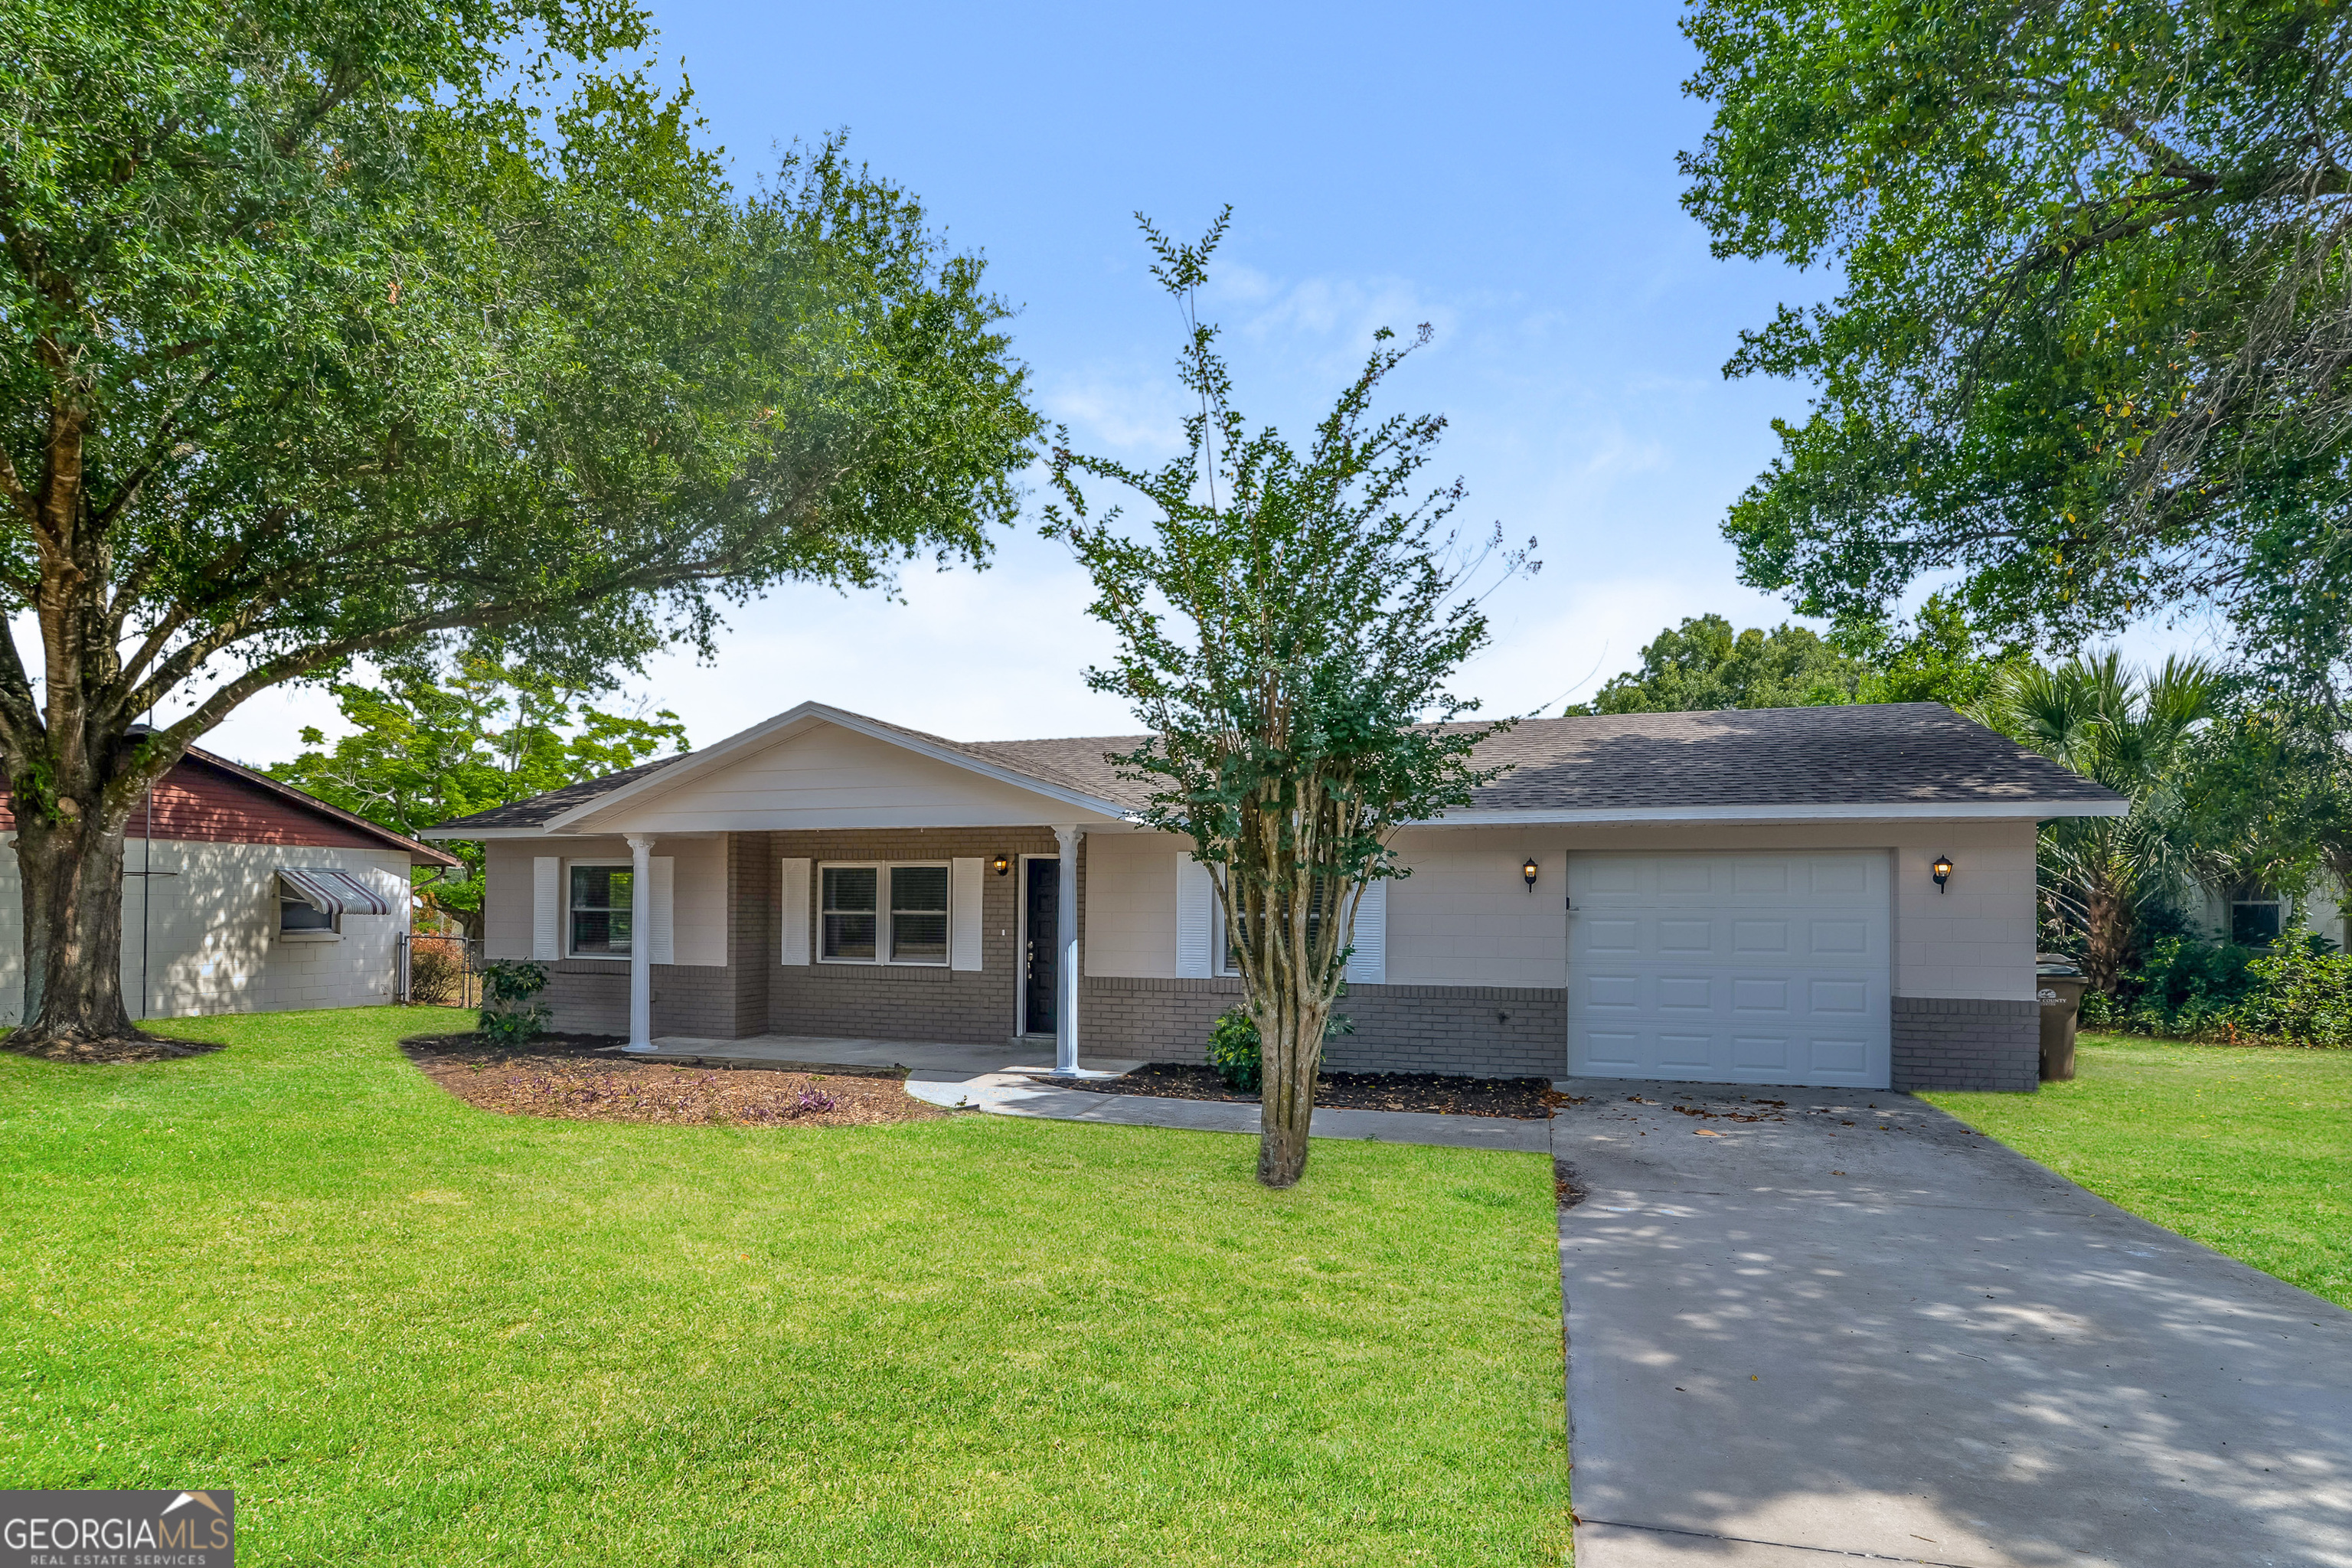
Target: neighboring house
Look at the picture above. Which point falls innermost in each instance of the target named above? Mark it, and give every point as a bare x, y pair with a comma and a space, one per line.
241, 894
2255, 915
1735, 896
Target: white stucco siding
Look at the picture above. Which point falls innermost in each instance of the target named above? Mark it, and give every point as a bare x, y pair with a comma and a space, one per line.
210, 938
831, 778
698, 912
1466, 917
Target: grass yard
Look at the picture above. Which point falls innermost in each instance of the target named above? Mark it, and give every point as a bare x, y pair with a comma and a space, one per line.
407, 1331
2245, 1148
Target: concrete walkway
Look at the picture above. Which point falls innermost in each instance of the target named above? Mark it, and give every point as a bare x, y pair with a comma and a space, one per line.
1860, 1330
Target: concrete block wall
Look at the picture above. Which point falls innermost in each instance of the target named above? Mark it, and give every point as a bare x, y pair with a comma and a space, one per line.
1967, 1042
1474, 1031
206, 926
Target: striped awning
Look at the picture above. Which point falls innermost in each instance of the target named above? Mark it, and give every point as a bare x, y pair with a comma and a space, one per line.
331, 891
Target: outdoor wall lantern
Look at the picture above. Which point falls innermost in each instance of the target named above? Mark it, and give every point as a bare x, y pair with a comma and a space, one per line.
1941, 870
1528, 872
1001, 865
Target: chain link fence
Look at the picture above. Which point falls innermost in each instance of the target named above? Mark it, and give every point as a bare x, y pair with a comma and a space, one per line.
440, 970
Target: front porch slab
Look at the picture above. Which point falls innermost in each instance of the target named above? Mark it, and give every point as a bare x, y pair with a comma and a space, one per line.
924, 1062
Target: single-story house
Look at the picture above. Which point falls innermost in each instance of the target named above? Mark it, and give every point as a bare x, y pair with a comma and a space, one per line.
1831, 896
241, 894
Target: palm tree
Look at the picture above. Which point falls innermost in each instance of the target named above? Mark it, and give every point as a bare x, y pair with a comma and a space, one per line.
2130, 730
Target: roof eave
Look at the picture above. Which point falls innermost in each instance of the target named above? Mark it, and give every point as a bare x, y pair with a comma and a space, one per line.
1854, 811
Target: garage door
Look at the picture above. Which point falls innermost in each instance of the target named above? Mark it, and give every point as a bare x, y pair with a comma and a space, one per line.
1729, 968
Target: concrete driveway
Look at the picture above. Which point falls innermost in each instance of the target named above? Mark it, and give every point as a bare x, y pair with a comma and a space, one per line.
1857, 1329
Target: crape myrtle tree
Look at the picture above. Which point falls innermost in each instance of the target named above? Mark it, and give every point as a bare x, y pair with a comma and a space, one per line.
2089, 342
329, 329
1287, 625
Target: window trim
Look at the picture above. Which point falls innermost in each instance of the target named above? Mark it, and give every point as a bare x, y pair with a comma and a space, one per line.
885, 937
564, 885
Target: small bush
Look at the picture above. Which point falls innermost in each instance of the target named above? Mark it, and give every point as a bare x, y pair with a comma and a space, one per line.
1235, 1047
436, 973
2305, 996
510, 1016
1234, 1051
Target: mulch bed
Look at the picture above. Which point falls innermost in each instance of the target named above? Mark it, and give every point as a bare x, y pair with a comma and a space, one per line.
569, 1083
1526, 1099
134, 1048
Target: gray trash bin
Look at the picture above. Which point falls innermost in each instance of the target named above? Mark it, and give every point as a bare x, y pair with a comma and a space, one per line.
2059, 987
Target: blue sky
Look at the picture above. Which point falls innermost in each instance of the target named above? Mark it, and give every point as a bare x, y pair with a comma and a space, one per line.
1506, 172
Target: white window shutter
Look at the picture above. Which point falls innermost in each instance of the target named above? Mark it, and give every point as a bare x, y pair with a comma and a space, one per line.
661, 942
546, 906
964, 913
1368, 964
795, 924
1196, 917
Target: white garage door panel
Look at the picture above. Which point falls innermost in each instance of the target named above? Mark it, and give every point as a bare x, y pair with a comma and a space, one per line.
1731, 968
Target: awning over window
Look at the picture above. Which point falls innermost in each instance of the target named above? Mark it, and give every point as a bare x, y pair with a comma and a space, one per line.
331, 891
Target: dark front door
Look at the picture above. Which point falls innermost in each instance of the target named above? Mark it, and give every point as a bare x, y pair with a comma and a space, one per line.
1041, 899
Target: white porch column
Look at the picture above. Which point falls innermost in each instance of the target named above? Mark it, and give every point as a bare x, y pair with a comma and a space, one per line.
1066, 934
641, 942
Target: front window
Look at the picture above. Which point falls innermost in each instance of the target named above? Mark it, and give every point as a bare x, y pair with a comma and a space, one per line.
884, 914
601, 904
1314, 926
918, 914
849, 911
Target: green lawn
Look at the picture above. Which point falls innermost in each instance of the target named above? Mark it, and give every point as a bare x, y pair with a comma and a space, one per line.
2245, 1149
410, 1332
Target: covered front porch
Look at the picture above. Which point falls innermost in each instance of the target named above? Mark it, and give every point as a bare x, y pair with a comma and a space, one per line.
820, 876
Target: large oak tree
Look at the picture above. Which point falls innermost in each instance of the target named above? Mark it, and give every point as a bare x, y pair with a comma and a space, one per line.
327, 330
2090, 340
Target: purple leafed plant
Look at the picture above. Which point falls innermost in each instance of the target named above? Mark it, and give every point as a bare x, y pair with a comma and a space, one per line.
815, 1099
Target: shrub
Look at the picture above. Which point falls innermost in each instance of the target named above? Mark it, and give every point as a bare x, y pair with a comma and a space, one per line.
509, 1014
436, 973
1233, 1050
2306, 995
1233, 1047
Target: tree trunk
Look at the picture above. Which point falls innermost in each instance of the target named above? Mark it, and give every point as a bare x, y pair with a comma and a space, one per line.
1290, 1049
72, 871
2108, 917
70, 863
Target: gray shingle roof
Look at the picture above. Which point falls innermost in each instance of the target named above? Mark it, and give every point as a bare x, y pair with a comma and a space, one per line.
1889, 754
543, 809
1897, 754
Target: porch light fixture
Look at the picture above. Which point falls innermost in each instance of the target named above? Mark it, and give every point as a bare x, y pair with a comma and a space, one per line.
1528, 872
1001, 865
1941, 870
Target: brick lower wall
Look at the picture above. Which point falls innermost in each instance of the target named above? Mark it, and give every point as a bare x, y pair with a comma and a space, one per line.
1963, 1043
1477, 1031
887, 1002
